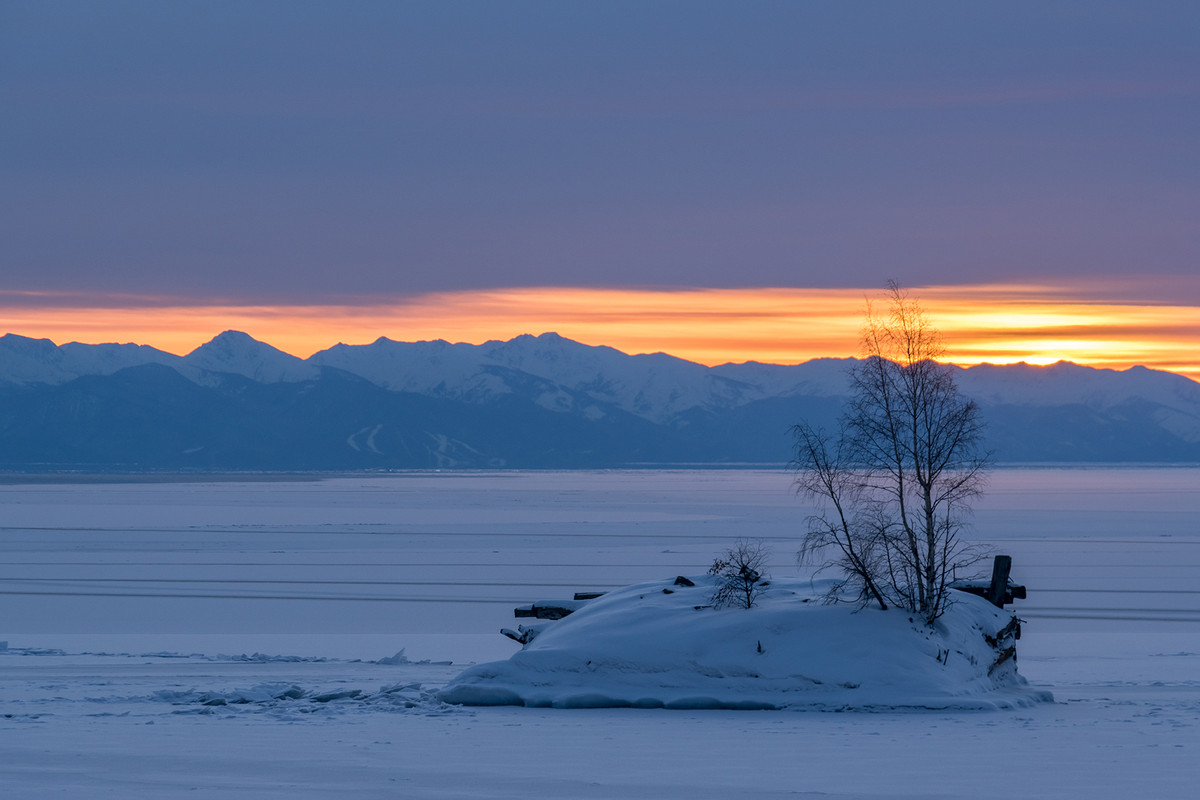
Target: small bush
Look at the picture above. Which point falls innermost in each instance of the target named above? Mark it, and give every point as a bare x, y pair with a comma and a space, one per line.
741, 573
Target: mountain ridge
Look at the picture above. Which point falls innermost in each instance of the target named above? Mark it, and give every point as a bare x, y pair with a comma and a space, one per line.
532, 401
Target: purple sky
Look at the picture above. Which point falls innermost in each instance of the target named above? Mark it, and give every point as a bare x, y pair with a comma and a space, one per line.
293, 151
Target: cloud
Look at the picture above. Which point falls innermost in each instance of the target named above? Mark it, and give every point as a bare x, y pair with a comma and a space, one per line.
1000, 323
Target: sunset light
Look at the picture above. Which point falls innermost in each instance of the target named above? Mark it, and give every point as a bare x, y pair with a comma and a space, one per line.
339, 333
994, 323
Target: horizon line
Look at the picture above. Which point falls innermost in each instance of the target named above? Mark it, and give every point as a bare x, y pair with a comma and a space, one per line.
555, 334
1111, 325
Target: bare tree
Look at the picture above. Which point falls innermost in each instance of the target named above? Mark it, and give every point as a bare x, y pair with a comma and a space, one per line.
740, 570
846, 522
896, 485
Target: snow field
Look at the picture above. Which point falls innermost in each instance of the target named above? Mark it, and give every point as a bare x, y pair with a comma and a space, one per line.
128, 609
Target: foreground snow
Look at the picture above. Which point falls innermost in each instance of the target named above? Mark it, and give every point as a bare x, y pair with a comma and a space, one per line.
240, 640
130, 723
660, 645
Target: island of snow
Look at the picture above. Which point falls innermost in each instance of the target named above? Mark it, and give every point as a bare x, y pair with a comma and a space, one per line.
661, 645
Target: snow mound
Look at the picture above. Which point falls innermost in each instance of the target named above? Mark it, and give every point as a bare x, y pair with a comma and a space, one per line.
658, 645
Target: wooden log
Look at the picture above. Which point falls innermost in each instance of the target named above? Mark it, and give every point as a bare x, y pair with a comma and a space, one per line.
1010, 631
549, 609
1005, 654
998, 593
557, 610
524, 634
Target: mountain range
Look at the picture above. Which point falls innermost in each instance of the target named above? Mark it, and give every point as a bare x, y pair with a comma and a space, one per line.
236, 403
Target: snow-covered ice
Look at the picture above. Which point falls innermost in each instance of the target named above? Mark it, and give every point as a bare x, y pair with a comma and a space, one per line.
268, 639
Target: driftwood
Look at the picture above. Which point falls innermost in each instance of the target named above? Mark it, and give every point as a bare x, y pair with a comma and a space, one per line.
1011, 630
549, 609
1004, 643
552, 610
524, 634
998, 591
557, 609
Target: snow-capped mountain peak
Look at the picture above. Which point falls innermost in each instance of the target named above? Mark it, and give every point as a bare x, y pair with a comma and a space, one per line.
25, 361
487, 404
241, 354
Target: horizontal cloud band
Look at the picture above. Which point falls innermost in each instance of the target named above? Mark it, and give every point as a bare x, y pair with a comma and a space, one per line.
1099, 325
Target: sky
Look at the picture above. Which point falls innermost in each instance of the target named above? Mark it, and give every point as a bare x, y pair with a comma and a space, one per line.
722, 181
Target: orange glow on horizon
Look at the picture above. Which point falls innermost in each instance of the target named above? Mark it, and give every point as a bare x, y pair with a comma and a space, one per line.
996, 324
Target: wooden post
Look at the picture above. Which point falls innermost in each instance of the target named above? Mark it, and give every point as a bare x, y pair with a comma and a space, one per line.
998, 591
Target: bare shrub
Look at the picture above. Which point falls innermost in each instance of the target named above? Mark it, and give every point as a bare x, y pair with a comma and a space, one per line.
741, 573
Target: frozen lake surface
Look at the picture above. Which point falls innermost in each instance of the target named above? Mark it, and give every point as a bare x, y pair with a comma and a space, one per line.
241, 638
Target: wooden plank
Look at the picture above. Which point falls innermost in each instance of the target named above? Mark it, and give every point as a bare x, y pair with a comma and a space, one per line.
998, 593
